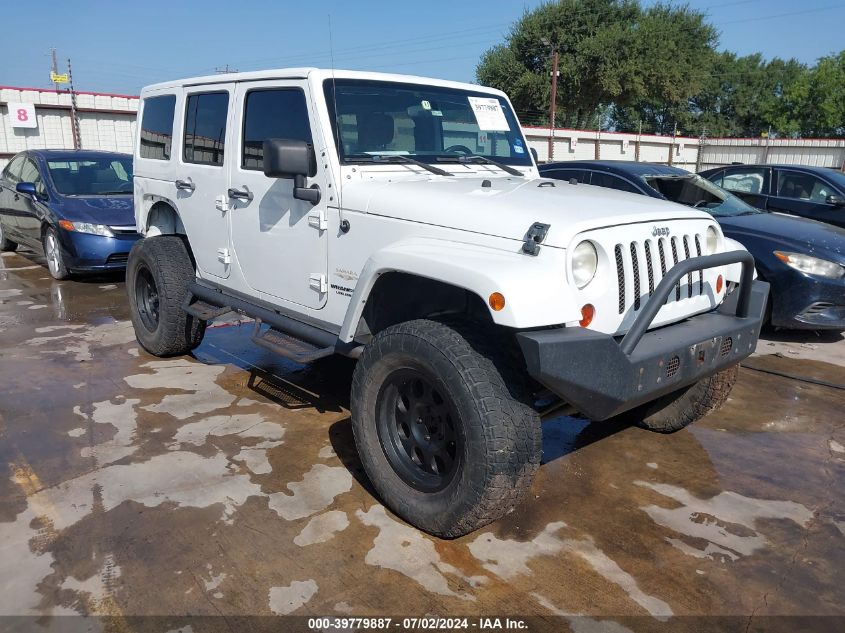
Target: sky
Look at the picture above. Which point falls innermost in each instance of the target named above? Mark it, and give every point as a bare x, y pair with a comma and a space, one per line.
120, 47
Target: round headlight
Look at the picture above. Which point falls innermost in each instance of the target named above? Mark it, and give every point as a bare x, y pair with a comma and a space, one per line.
585, 260
712, 240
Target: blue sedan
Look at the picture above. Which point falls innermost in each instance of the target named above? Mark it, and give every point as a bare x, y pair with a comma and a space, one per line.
803, 260
74, 206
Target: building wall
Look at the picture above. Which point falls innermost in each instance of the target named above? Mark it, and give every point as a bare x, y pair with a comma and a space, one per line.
106, 121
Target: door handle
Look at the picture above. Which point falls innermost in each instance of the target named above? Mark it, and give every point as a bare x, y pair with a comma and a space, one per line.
185, 185
241, 195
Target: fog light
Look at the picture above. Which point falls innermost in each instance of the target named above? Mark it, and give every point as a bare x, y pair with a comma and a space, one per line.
497, 301
587, 314
719, 283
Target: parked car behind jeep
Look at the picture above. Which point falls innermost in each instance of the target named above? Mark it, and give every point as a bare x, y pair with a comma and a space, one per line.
72, 206
401, 221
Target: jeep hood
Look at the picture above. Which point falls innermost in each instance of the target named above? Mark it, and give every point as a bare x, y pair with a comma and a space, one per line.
509, 206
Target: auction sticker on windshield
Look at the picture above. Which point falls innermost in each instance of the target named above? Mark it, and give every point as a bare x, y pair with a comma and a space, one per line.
489, 114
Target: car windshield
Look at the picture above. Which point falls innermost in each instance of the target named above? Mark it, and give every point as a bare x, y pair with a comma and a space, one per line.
107, 176
429, 123
695, 191
837, 177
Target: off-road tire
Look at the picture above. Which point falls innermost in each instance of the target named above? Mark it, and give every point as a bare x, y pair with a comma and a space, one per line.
502, 438
6, 245
678, 409
166, 260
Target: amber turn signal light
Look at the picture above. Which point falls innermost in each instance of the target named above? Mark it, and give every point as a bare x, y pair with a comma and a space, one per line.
497, 301
719, 283
587, 314
66, 225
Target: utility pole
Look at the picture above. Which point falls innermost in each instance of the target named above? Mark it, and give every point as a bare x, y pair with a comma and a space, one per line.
74, 118
639, 138
55, 68
700, 156
672, 146
552, 106
598, 133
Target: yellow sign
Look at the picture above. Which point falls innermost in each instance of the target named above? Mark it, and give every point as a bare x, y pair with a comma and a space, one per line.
58, 79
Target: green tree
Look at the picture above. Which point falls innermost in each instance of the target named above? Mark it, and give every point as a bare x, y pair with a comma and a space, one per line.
612, 52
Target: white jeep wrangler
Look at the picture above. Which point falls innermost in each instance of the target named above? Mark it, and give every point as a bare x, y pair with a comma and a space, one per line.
401, 221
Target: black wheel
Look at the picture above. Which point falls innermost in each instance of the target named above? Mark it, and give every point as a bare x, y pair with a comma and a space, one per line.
680, 408
443, 425
53, 254
6, 244
157, 277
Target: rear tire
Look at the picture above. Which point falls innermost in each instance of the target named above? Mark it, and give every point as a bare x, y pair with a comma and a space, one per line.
157, 276
442, 428
6, 245
680, 408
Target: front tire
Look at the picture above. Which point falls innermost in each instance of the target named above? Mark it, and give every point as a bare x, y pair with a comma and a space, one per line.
442, 428
678, 409
157, 276
53, 254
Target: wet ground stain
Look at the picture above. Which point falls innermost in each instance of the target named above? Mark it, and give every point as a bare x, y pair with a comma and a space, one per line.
227, 484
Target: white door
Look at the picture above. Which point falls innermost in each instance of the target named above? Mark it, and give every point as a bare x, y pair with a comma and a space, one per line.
279, 241
202, 178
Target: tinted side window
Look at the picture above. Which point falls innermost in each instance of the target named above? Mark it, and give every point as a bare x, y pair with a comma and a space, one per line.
612, 182
157, 127
565, 174
205, 128
749, 180
279, 113
717, 178
30, 173
12, 173
799, 186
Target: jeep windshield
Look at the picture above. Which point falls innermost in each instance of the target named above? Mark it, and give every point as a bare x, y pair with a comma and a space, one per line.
427, 123
695, 191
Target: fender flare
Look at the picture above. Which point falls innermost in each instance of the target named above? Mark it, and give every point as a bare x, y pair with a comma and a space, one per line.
534, 287
146, 218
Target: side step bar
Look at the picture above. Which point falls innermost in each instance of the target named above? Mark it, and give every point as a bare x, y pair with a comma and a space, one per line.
287, 346
292, 339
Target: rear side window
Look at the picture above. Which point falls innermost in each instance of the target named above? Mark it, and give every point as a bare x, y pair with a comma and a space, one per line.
610, 181
157, 127
205, 128
746, 180
565, 174
277, 113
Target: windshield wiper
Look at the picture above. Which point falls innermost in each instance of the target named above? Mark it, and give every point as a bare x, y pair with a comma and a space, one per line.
477, 158
398, 158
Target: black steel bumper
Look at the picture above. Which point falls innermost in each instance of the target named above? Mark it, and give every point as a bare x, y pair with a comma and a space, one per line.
602, 376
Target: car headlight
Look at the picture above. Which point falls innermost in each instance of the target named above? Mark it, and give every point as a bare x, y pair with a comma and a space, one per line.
811, 265
712, 240
585, 261
86, 227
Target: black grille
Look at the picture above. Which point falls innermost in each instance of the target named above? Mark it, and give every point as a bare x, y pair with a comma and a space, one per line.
727, 344
672, 366
689, 275
700, 272
620, 274
675, 261
636, 265
648, 265
118, 258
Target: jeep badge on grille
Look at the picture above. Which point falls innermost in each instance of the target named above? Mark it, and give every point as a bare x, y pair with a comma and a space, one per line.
660, 231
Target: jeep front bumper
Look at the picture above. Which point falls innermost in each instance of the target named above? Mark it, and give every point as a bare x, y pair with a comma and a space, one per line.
602, 376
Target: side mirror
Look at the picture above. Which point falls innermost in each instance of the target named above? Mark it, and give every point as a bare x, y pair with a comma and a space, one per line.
287, 158
26, 188
835, 200
535, 155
